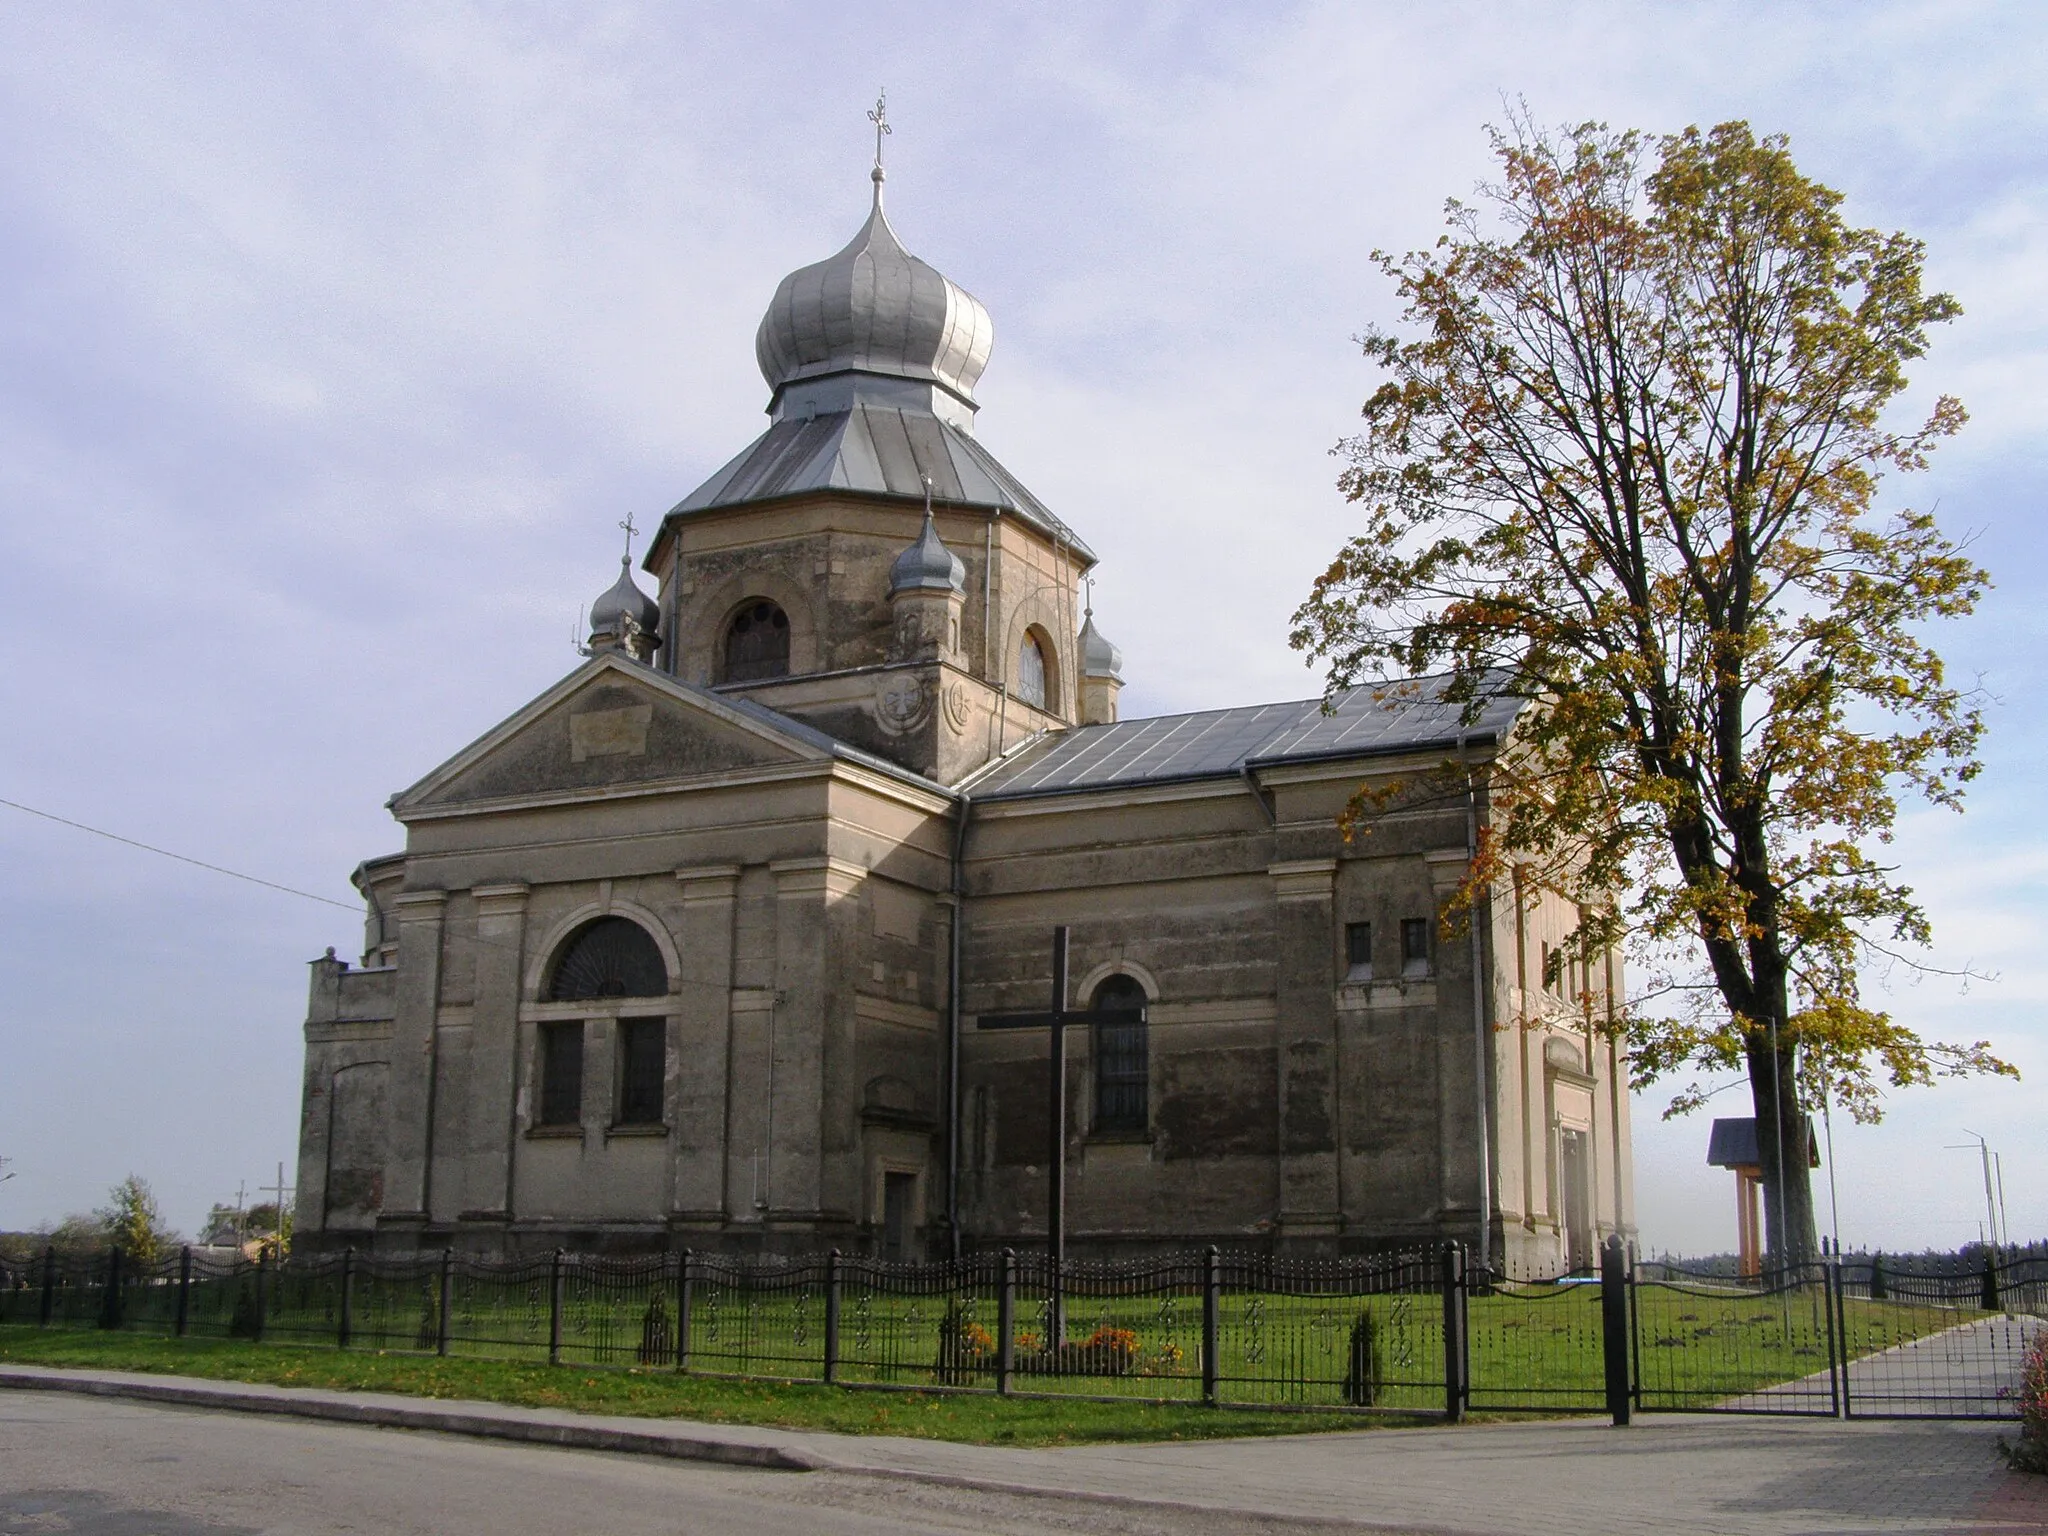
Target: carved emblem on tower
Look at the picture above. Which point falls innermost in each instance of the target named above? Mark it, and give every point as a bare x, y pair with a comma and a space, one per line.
902, 703
954, 701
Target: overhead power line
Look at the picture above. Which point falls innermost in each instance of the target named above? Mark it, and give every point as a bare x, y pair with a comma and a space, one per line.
233, 874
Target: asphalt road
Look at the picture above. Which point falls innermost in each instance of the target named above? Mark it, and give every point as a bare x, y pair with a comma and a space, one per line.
97, 1467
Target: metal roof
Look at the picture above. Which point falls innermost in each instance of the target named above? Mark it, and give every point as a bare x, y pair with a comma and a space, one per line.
1219, 743
880, 449
1733, 1144
876, 308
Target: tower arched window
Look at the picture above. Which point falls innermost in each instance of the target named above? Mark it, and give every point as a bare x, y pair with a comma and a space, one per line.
757, 643
608, 957
1031, 671
1123, 1064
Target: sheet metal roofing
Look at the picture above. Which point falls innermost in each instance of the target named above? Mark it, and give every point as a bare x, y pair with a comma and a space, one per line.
1218, 743
876, 308
881, 450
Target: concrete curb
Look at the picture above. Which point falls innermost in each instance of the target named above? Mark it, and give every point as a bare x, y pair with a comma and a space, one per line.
489, 1421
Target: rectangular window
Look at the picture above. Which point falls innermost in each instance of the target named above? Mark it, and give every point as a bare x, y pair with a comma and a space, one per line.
1358, 951
643, 1058
561, 1073
1123, 1079
1414, 946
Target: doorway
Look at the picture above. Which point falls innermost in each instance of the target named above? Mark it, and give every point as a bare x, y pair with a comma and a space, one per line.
899, 1215
1575, 1198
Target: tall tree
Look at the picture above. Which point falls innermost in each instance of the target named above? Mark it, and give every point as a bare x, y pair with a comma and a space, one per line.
1625, 466
134, 1223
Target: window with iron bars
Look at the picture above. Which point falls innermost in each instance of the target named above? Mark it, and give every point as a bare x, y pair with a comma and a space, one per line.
1123, 1067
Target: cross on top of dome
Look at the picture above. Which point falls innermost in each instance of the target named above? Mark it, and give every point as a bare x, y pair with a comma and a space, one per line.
874, 311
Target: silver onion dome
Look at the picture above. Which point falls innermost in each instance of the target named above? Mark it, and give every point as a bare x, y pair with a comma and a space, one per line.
874, 308
624, 600
927, 565
1098, 657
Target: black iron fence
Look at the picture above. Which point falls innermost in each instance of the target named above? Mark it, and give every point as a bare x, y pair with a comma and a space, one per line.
1414, 1333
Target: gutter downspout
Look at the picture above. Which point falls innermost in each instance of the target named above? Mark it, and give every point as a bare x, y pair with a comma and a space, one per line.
1480, 1032
953, 1236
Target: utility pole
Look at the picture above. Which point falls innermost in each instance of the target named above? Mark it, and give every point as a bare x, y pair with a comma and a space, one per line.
279, 1191
1983, 1150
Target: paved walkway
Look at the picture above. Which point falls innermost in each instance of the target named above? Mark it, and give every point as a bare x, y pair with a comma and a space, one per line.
1971, 1368
1678, 1475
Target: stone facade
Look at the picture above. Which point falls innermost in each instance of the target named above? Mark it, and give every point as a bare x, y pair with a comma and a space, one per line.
847, 827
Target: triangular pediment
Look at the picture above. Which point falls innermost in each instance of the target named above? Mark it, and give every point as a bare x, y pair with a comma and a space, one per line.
611, 723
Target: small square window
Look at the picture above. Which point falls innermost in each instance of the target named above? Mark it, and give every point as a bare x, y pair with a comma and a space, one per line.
561, 1073
643, 1054
1414, 946
1358, 951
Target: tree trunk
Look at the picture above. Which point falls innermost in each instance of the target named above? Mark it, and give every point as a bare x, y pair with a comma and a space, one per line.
1781, 1138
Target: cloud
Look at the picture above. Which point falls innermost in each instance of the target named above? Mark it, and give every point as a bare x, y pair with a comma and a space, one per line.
336, 343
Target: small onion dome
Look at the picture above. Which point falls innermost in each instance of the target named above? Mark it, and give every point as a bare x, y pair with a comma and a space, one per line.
625, 600
928, 566
1098, 657
874, 308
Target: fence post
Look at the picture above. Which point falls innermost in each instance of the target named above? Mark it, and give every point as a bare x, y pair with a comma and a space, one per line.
1006, 1323
447, 1298
49, 1284
1614, 1325
262, 1272
345, 1331
1212, 1308
184, 1290
683, 1313
1455, 1278
1989, 1301
110, 1302
1829, 1315
1839, 1345
832, 1317
555, 1308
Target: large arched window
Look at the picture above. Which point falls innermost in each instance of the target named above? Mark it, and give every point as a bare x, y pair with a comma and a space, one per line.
608, 957
1123, 1067
1031, 671
757, 643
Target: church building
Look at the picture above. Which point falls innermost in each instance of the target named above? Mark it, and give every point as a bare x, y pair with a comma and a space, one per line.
692, 949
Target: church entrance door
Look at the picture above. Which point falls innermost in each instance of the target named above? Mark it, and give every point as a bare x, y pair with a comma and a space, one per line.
898, 1189
1576, 1194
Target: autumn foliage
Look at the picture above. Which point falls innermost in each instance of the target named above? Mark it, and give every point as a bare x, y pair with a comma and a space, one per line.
1625, 464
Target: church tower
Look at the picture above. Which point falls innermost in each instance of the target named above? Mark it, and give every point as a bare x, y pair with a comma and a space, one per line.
866, 565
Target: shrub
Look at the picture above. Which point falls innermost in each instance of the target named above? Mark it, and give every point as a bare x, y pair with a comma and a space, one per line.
428, 1335
654, 1339
965, 1347
1365, 1376
1105, 1352
242, 1324
2030, 1453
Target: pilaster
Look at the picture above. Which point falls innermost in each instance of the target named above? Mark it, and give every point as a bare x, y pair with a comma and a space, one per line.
815, 1102
494, 1049
701, 1092
1305, 1047
408, 1188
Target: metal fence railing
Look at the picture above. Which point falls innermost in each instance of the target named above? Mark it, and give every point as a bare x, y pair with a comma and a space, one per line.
1415, 1333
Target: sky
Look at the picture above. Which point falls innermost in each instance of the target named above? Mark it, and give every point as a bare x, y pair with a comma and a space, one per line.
336, 341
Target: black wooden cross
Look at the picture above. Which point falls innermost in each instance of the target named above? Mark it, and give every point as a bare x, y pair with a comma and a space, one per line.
1057, 1021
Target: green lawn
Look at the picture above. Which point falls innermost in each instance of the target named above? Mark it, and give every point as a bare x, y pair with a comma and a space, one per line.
972, 1417
1530, 1347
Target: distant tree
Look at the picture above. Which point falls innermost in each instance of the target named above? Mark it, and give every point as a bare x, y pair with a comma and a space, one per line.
133, 1223
78, 1233
272, 1231
1625, 468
